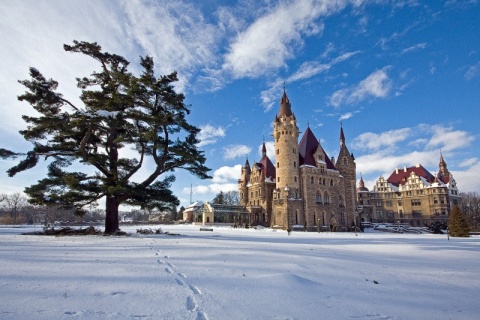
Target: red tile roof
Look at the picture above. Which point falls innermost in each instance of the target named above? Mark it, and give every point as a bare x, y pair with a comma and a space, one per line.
307, 148
400, 176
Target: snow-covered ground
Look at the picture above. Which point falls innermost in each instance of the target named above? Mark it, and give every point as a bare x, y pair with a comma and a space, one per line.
239, 274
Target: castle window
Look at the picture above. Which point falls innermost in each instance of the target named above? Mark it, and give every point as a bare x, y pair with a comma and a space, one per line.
278, 164
295, 178
294, 164
278, 151
326, 198
416, 202
311, 179
278, 179
331, 183
318, 197
294, 150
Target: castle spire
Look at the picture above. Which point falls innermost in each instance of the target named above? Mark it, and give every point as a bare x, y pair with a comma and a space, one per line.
361, 184
264, 149
285, 106
342, 136
443, 170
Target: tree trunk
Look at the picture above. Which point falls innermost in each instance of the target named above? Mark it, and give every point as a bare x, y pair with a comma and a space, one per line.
111, 215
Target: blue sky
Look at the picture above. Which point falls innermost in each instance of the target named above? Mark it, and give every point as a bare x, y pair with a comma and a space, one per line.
402, 76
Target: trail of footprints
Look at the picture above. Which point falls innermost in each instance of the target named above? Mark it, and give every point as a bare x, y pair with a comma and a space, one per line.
191, 303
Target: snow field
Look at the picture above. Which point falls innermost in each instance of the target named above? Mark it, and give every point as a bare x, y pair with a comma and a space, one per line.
239, 274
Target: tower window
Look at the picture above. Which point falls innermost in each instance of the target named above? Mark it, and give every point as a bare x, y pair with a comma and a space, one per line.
278, 151
278, 164
278, 179
311, 179
294, 164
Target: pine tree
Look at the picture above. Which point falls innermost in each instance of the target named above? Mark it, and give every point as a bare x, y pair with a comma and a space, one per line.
120, 111
219, 198
457, 224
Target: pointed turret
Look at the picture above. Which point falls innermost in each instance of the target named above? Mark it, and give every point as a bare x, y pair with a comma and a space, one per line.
285, 106
361, 185
264, 150
443, 170
342, 136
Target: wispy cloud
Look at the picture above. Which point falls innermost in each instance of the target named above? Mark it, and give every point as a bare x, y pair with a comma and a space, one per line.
224, 179
473, 71
307, 70
415, 47
210, 134
277, 35
376, 141
235, 151
376, 85
345, 116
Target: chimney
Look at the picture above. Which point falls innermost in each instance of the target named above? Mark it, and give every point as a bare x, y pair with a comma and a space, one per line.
405, 169
396, 170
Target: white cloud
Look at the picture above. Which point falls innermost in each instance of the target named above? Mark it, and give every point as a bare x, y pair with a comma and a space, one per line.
307, 70
345, 116
224, 179
376, 85
227, 174
270, 146
469, 162
467, 180
376, 141
235, 151
415, 47
210, 134
174, 33
473, 71
447, 139
276, 35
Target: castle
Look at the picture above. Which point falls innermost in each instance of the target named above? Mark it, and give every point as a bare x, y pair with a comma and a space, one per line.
305, 188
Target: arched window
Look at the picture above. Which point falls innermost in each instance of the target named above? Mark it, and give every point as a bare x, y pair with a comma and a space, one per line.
318, 197
341, 203
331, 182
326, 198
311, 179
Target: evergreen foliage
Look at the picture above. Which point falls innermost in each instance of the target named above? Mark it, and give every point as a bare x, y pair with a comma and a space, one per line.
120, 112
219, 198
457, 224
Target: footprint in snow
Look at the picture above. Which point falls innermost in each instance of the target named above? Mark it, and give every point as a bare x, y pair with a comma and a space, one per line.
191, 304
195, 289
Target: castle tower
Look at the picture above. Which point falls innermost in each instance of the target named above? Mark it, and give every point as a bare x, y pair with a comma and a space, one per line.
443, 170
285, 133
287, 194
243, 183
347, 168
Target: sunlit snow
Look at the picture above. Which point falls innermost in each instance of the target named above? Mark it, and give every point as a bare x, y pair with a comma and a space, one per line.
239, 274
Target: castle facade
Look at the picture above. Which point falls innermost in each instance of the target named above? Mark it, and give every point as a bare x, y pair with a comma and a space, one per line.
411, 196
305, 188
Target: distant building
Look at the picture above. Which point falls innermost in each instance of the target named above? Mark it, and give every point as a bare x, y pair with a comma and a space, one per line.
411, 196
192, 213
305, 187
